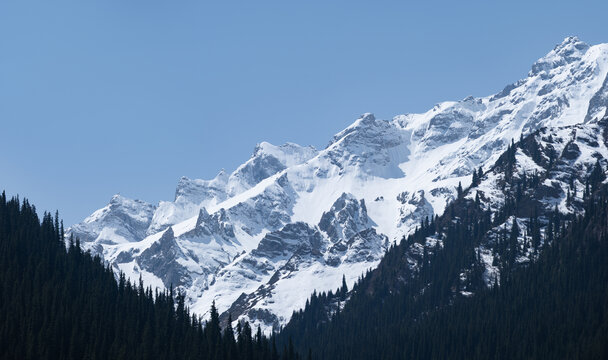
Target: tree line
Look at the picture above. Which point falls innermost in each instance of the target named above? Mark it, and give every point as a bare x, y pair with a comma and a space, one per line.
59, 302
432, 301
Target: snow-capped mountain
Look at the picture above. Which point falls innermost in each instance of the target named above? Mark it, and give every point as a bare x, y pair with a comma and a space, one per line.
292, 220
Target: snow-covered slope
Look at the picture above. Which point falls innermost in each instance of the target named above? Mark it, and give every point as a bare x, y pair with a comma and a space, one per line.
292, 219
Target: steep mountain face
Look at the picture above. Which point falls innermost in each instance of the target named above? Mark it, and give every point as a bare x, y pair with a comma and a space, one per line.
531, 193
292, 219
301, 258
534, 224
121, 221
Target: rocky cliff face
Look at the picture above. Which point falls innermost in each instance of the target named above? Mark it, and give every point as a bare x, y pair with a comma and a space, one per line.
292, 219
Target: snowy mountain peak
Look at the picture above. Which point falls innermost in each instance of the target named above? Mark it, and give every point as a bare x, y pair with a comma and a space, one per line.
196, 190
288, 154
364, 121
290, 215
123, 220
368, 147
570, 50
347, 217
367, 118
570, 45
126, 203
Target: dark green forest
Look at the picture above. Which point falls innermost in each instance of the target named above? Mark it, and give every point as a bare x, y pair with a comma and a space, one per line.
62, 303
554, 307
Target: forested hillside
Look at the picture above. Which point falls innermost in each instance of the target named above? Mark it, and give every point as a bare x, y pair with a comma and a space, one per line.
432, 295
64, 304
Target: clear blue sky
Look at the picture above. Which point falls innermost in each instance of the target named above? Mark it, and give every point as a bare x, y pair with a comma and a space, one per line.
106, 96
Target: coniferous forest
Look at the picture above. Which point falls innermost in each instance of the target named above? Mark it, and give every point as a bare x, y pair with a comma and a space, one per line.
58, 303
556, 307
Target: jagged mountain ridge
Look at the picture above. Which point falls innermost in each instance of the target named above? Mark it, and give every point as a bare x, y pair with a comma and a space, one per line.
399, 171
537, 197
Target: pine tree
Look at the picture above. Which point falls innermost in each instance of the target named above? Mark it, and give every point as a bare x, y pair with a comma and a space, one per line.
344, 288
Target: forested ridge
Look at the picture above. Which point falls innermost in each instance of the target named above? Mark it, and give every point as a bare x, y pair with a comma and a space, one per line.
58, 303
553, 306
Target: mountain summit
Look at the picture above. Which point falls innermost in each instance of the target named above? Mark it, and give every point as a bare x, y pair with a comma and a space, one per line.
292, 219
